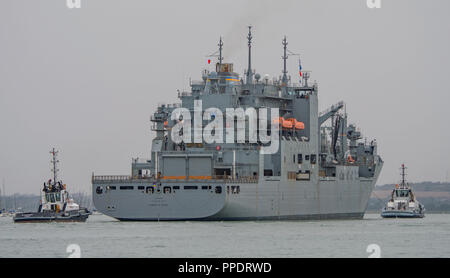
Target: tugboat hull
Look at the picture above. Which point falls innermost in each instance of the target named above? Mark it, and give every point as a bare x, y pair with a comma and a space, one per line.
39, 217
402, 214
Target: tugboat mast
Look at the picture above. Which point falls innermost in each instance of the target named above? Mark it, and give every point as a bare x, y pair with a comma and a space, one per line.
54, 161
403, 175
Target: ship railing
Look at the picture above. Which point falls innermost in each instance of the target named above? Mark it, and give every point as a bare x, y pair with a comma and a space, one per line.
184, 94
123, 179
197, 82
157, 118
127, 178
173, 105
230, 179
140, 160
215, 178
111, 178
296, 85
243, 180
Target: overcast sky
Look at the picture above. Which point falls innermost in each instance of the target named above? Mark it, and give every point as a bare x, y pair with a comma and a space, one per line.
87, 80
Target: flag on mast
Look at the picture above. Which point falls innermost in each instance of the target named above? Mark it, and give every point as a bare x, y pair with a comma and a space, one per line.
300, 67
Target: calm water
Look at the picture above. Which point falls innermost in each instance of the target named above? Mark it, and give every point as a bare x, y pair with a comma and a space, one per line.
102, 236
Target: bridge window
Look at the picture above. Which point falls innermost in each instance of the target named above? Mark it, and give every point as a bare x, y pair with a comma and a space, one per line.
268, 172
126, 187
218, 189
50, 197
313, 159
235, 189
222, 172
299, 158
141, 187
190, 187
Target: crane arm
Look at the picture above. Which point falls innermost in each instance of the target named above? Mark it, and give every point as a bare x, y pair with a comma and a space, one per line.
325, 115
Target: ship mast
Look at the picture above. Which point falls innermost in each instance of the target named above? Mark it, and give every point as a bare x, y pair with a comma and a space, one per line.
54, 161
220, 52
249, 70
284, 57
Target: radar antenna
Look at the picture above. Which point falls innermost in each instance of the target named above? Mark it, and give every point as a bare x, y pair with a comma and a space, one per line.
55, 162
284, 57
220, 57
220, 51
286, 54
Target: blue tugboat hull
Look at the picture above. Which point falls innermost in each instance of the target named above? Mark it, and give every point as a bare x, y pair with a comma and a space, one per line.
28, 217
402, 214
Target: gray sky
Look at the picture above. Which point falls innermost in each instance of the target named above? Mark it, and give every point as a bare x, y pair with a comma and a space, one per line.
87, 80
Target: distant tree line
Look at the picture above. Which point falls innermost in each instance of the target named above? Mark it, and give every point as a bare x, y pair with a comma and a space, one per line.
421, 186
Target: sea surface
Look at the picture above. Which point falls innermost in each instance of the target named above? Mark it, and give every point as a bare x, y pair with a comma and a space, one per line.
102, 236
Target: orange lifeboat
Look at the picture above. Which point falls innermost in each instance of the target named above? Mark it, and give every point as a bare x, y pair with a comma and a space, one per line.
299, 125
287, 123
296, 124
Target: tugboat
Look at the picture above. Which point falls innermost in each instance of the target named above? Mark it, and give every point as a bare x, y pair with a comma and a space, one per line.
403, 202
55, 204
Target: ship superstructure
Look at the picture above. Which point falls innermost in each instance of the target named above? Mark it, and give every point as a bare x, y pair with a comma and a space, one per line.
319, 167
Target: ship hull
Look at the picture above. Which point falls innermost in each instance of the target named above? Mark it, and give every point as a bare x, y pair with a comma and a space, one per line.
338, 216
262, 200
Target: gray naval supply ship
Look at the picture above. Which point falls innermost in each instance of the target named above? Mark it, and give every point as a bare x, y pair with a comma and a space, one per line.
321, 169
